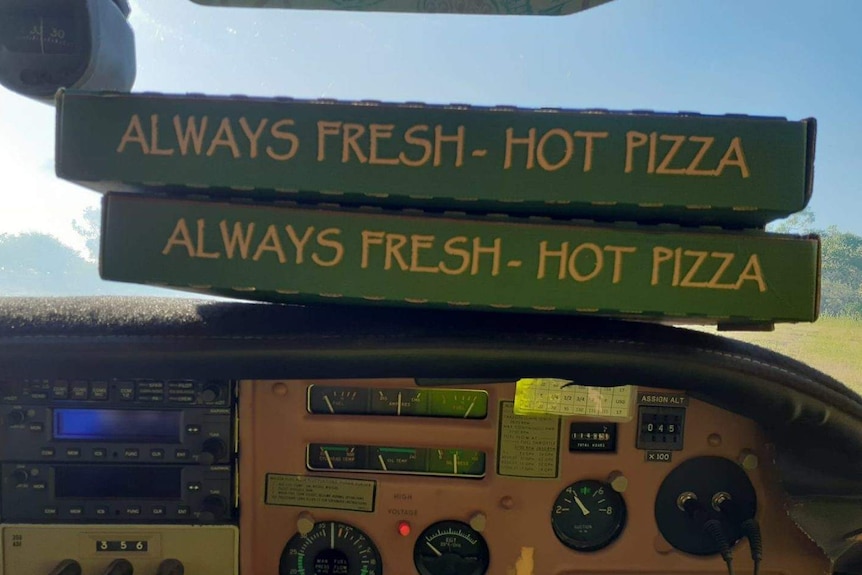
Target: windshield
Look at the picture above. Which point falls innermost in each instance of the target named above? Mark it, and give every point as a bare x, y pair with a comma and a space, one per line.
788, 58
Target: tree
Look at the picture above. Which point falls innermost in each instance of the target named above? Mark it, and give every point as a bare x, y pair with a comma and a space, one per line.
89, 227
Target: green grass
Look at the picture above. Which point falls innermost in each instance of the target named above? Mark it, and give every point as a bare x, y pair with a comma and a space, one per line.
832, 345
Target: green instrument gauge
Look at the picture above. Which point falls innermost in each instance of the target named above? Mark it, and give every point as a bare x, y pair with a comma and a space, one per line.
399, 402
330, 548
588, 515
400, 460
337, 400
404, 402
460, 403
322, 456
451, 548
466, 462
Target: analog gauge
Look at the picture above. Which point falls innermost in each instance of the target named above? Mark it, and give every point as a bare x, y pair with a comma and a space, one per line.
333, 400
398, 402
588, 515
330, 548
451, 548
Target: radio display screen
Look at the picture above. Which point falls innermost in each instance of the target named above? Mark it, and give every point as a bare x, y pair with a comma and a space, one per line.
112, 425
117, 482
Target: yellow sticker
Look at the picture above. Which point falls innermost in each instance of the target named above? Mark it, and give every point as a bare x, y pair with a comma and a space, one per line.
549, 396
322, 492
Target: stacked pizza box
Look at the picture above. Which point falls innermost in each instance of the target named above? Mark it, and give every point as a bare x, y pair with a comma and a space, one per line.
631, 214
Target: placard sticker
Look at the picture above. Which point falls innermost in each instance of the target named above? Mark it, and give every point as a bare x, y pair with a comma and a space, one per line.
550, 396
320, 492
528, 446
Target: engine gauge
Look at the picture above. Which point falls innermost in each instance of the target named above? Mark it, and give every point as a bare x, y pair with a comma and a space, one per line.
330, 548
588, 515
451, 548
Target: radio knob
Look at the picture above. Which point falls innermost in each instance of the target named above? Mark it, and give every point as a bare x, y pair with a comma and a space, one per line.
212, 450
66, 567
171, 567
16, 417
119, 567
210, 393
213, 507
19, 476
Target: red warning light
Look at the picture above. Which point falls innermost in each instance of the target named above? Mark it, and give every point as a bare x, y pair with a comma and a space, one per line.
403, 528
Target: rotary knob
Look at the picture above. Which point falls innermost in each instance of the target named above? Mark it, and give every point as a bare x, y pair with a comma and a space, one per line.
66, 567
212, 451
213, 507
210, 394
171, 567
19, 476
16, 417
119, 567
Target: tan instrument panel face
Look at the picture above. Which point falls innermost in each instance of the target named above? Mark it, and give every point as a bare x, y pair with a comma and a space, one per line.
372, 469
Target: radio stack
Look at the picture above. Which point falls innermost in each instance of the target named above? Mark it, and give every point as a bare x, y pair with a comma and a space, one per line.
120, 454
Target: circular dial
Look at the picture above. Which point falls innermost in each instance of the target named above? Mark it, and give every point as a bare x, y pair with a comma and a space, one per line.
451, 548
588, 515
330, 548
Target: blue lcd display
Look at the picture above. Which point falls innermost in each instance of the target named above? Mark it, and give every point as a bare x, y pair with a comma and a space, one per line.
112, 425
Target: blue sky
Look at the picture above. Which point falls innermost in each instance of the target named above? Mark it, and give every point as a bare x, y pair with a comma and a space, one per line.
791, 58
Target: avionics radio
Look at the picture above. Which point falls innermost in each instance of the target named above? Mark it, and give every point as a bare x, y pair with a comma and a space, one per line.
116, 421
117, 451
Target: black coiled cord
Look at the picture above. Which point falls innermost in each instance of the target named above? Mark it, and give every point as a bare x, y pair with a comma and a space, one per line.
712, 527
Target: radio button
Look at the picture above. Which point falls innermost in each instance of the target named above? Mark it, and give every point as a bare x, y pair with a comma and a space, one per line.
157, 453
131, 453
126, 391
47, 452
50, 511
60, 390
73, 452
39, 486
77, 510
37, 426
100, 453
182, 454
99, 391
80, 390
102, 510
133, 510
159, 510
183, 511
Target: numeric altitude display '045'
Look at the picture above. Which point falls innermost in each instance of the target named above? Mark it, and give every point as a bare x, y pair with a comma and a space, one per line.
330, 548
588, 515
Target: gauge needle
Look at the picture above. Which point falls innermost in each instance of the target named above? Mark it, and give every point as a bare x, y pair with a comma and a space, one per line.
332, 535
583, 507
469, 408
434, 549
329, 404
399, 403
328, 459
382, 463
455, 463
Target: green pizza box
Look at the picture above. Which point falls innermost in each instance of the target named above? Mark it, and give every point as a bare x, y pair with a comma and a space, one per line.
687, 168
277, 253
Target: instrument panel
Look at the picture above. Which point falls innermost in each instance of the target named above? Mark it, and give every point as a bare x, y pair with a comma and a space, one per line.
362, 477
